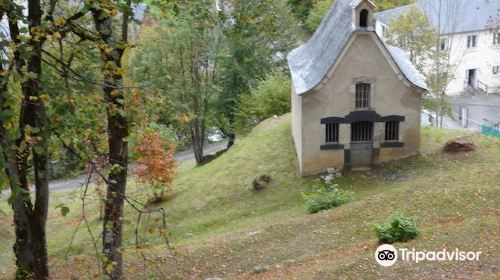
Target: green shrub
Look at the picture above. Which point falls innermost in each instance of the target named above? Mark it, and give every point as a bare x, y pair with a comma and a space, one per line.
270, 97
326, 196
4, 180
317, 13
301, 8
398, 229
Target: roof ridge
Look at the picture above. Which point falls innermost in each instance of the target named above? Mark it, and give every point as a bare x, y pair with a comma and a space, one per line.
397, 8
472, 14
310, 63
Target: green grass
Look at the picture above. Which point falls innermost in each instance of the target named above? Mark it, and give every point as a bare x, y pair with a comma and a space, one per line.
217, 198
223, 229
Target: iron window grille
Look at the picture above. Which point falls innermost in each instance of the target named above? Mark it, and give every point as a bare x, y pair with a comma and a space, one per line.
363, 95
392, 131
361, 131
332, 133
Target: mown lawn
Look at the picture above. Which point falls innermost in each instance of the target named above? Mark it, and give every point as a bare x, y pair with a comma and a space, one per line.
220, 228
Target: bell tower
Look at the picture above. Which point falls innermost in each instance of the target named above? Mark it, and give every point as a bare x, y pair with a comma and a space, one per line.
362, 14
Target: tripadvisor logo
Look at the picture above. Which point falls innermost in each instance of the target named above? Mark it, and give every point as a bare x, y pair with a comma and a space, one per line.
387, 255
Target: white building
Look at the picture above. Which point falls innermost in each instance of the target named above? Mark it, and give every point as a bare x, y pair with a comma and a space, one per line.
465, 31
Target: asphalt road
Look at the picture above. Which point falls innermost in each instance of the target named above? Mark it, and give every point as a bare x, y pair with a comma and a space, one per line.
74, 183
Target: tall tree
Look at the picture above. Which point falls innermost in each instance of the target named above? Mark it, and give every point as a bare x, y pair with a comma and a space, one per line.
22, 65
112, 46
413, 33
180, 59
445, 54
433, 50
258, 35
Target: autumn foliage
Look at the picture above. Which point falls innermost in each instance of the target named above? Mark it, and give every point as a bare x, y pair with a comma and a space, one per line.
157, 166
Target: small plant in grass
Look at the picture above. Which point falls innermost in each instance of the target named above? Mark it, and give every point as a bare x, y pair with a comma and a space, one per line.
157, 166
398, 229
326, 196
261, 182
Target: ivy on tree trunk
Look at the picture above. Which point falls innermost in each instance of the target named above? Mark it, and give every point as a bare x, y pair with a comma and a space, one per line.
112, 51
30, 247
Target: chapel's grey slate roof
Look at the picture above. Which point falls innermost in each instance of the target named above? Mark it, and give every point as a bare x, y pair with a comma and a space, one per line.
310, 63
457, 16
389, 15
411, 73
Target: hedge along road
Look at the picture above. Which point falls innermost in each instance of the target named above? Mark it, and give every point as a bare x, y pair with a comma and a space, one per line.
68, 184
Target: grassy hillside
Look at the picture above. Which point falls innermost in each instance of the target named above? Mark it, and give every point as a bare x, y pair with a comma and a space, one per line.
220, 228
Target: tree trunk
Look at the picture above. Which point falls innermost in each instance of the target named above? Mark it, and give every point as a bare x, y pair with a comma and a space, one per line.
118, 131
21, 204
37, 118
442, 103
230, 140
117, 181
232, 134
30, 246
197, 140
